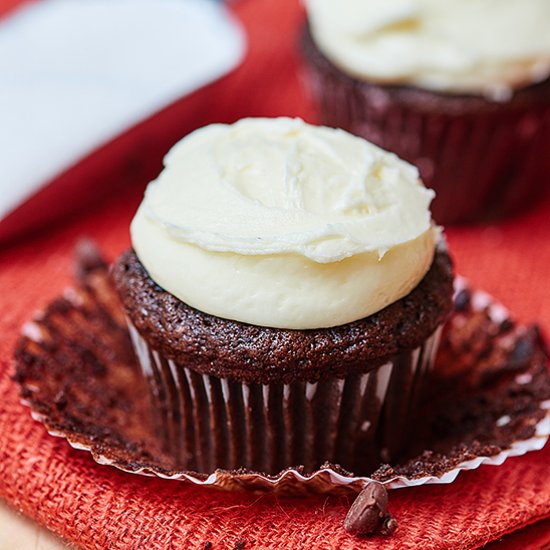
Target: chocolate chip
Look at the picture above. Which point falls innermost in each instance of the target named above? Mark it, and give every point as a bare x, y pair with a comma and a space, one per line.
369, 513
239, 545
207, 545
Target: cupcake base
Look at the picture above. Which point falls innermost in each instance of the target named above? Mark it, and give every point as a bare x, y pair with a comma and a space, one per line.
359, 421
484, 159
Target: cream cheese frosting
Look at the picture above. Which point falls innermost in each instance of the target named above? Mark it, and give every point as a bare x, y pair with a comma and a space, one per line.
278, 223
488, 47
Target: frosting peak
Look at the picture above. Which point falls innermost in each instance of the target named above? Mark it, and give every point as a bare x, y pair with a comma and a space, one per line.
259, 220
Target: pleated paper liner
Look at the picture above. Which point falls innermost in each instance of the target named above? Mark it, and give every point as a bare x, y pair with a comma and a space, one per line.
79, 375
209, 422
484, 159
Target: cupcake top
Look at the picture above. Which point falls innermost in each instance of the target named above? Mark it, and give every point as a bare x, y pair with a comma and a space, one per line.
488, 47
278, 223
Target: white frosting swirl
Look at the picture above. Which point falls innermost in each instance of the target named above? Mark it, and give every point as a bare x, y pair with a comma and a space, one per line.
467, 46
278, 223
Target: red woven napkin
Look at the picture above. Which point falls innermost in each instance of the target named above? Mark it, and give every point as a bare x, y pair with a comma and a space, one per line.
99, 507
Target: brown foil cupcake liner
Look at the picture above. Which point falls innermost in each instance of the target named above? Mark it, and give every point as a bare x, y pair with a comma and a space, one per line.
484, 159
208, 422
75, 364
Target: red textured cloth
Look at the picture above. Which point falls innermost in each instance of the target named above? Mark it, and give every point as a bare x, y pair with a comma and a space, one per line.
99, 507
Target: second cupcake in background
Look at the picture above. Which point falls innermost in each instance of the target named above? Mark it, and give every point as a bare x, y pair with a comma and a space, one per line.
285, 294
460, 88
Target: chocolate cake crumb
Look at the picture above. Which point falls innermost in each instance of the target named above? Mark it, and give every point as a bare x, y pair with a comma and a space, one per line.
389, 525
239, 545
60, 399
369, 512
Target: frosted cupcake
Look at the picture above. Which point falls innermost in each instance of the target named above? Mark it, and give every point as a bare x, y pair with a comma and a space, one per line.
460, 88
285, 294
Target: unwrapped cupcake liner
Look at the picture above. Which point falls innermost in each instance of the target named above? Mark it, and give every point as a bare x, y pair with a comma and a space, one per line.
101, 406
484, 159
208, 422
326, 480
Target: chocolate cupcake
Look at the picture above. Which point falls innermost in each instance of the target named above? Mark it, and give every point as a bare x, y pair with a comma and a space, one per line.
285, 296
460, 89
